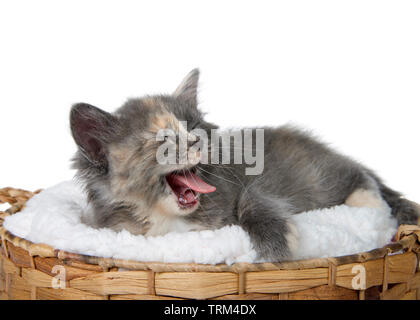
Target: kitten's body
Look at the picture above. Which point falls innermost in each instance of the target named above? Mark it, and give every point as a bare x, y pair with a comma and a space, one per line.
127, 188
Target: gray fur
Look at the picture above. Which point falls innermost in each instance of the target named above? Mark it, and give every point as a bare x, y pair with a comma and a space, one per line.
124, 182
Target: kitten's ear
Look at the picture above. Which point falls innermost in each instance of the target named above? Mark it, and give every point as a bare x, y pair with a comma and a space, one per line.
188, 87
92, 129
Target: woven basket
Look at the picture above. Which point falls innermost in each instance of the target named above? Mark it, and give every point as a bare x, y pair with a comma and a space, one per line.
38, 272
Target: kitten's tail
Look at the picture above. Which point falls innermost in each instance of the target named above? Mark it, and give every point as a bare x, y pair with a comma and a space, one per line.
406, 211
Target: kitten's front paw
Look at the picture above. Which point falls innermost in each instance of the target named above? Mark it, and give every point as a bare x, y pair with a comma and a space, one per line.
276, 244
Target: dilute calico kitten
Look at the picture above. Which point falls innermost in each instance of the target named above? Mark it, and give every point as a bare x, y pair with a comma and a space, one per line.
128, 189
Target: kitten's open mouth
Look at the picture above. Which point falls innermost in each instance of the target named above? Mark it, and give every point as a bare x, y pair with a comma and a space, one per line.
186, 186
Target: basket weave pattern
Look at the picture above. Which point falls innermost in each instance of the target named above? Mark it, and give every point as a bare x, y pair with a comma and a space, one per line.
29, 271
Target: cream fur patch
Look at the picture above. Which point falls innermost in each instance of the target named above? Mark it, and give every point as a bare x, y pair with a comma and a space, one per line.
365, 198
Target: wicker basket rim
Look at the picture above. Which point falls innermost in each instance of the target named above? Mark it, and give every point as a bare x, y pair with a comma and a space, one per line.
406, 238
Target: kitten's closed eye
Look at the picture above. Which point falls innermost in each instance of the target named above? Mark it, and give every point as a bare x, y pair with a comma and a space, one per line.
191, 125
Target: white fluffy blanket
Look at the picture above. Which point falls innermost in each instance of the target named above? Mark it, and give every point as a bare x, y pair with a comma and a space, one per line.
53, 217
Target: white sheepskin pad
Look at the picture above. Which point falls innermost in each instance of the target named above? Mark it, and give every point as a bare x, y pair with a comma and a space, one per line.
53, 217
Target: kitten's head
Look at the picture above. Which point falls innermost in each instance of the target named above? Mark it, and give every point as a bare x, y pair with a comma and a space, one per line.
117, 153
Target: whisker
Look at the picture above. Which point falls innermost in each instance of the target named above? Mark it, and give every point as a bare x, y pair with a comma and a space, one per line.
217, 176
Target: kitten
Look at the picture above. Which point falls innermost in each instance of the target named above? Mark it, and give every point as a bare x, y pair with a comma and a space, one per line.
129, 189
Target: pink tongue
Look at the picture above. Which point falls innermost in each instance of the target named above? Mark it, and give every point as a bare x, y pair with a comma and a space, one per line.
191, 181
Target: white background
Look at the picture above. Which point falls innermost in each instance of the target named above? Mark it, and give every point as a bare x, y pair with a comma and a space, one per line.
350, 70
